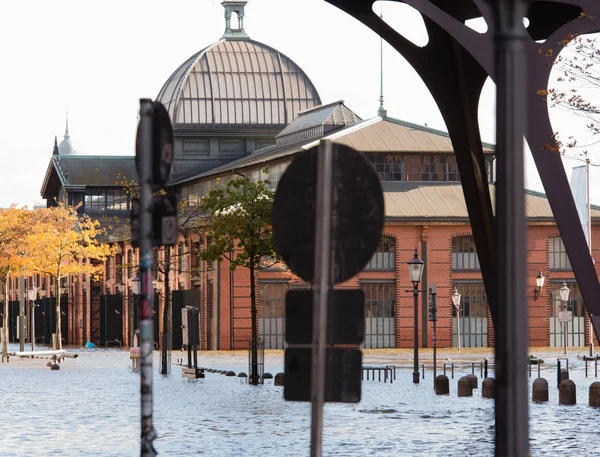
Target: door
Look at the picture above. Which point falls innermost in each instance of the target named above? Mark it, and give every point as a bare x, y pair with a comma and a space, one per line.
271, 313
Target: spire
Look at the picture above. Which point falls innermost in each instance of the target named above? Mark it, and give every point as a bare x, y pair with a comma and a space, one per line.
55, 150
67, 127
381, 112
234, 19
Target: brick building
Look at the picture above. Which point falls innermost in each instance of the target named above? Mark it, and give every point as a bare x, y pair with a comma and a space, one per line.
242, 107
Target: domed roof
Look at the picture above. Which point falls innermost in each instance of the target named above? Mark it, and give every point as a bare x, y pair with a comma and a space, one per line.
237, 81
66, 147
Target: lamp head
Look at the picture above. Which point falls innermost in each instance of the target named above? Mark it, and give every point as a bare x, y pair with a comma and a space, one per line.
415, 268
456, 298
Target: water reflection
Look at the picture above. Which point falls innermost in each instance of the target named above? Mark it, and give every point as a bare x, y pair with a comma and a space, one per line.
91, 408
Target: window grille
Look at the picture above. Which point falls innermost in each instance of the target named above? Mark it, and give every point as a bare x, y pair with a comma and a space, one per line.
558, 254
464, 253
384, 257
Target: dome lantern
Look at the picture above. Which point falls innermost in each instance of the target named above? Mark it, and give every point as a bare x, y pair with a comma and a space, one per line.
234, 10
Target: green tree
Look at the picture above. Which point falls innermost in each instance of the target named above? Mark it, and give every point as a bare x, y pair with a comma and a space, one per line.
238, 219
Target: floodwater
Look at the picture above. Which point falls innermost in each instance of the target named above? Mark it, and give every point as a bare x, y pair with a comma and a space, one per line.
91, 407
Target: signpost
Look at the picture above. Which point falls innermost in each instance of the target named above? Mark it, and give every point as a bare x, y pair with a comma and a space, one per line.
327, 221
154, 155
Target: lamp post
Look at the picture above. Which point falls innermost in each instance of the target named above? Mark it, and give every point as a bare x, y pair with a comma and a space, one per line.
32, 295
135, 288
456, 303
564, 296
539, 282
415, 270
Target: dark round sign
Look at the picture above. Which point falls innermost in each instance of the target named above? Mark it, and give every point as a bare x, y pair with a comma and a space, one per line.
162, 145
357, 219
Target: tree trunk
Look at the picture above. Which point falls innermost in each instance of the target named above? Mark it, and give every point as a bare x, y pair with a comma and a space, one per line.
58, 316
254, 350
4, 333
164, 365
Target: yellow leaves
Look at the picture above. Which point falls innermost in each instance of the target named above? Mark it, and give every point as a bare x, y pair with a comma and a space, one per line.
59, 239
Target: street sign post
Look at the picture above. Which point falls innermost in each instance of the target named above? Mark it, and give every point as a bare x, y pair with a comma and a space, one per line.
327, 221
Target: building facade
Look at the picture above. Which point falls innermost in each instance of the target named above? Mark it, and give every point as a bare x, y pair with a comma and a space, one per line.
242, 107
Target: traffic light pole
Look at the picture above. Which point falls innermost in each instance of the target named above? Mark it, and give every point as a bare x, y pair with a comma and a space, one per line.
144, 158
322, 287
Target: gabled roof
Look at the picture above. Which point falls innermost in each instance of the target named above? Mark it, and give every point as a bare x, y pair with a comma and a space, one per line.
397, 135
321, 119
80, 170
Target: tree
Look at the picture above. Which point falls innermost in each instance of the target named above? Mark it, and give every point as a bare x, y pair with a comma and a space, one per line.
59, 242
576, 88
188, 215
14, 225
238, 218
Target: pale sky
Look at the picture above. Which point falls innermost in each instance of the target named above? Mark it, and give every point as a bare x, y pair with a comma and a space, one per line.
97, 59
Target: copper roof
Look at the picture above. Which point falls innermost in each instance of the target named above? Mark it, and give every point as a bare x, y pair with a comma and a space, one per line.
237, 82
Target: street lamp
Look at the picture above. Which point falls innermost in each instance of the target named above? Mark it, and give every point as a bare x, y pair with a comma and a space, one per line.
32, 295
539, 282
565, 318
456, 303
135, 288
415, 270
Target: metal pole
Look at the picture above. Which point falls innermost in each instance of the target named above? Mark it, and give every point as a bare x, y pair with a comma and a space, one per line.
32, 325
433, 293
416, 336
511, 326
21, 313
589, 239
146, 295
323, 251
458, 325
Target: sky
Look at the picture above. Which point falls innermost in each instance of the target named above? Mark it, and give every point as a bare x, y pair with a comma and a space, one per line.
95, 60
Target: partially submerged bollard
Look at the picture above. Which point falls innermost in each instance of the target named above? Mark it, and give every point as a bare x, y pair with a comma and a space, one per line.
595, 394
278, 379
539, 390
488, 388
567, 393
465, 387
473, 380
442, 385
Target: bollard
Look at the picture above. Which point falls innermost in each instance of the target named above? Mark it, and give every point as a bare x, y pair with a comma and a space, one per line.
465, 387
567, 393
230, 373
241, 374
473, 380
442, 385
595, 394
55, 366
539, 390
278, 379
267, 375
485, 368
488, 388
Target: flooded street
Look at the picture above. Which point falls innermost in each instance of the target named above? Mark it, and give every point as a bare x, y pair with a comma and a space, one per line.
90, 407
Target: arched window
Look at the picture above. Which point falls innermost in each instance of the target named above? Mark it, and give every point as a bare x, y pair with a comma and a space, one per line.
558, 254
385, 255
464, 253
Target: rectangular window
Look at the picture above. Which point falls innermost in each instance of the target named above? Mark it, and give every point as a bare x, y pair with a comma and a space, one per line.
118, 268
473, 300
271, 297
558, 255
193, 147
380, 298
464, 253
232, 146
385, 255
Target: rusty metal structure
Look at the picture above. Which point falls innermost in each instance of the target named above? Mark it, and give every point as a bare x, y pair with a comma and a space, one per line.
454, 65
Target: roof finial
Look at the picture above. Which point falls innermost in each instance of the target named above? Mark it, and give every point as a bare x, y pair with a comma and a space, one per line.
55, 150
234, 9
67, 126
381, 112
